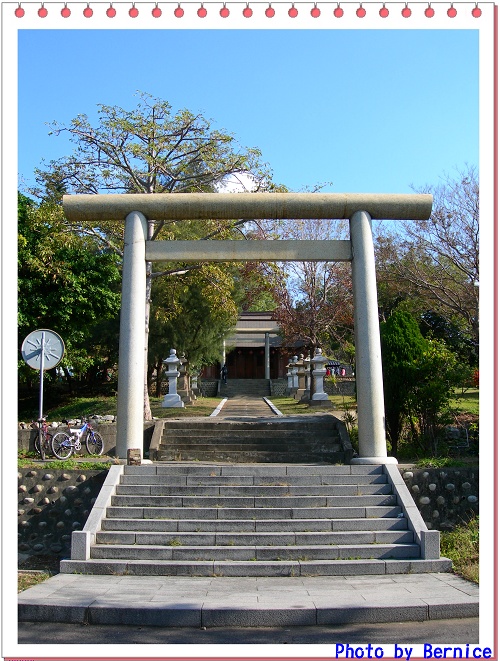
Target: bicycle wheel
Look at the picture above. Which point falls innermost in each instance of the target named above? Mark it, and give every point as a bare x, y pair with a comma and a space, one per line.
39, 447
94, 443
62, 446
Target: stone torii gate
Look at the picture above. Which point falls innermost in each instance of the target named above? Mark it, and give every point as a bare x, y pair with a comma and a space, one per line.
360, 209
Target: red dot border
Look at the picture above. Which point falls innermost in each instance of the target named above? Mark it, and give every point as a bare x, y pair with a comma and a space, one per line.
266, 8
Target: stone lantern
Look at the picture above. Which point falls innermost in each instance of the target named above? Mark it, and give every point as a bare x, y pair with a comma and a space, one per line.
172, 400
183, 388
320, 398
301, 378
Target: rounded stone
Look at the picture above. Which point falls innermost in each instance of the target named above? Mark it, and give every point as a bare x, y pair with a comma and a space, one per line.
442, 474
22, 488
440, 500
87, 491
92, 500
415, 488
67, 512
29, 500
435, 514
426, 474
31, 474
42, 524
63, 500
408, 475
53, 489
71, 489
19, 476
76, 524
450, 486
36, 510
65, 476
60, 524
24, 547
456, 500
20, 512
77, 502
424, 500
65, 538
466, 486
432, 487
56, 548
472, 499
37, 488
81, 478
25, 524
46, 501
38, 547
48, 476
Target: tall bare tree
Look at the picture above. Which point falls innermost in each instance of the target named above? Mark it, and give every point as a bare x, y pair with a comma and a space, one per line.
149, 149
437, 260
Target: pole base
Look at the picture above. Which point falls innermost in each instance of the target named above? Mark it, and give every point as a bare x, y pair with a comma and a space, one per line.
374, 460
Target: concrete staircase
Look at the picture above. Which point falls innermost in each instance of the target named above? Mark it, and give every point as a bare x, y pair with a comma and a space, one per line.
251, 520
245, 387
299, 439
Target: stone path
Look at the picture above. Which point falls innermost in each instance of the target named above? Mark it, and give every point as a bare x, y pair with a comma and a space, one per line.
177, 601
245, 406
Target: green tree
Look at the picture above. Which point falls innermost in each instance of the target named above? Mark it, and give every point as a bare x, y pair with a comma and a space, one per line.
149, 149
66, 283
419, 376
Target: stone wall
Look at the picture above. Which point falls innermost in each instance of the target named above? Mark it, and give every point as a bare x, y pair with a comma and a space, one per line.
445, 497
51, 504
342, 386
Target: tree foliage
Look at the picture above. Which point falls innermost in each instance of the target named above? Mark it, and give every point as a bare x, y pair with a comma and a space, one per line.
436, 262
150, 149
419, 376
66, 283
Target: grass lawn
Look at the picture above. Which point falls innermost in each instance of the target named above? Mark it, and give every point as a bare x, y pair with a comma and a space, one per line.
289, 406
102, 405
461, 546
468, 402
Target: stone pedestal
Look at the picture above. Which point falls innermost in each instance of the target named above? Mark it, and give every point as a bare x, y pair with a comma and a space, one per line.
172, 400
307, 369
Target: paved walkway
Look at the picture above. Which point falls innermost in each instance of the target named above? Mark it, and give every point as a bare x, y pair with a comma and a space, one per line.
178, 601
245, 406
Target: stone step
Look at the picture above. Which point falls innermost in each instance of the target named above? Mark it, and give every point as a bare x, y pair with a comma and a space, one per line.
245, 470
251, 501
202, 445
249, 553
251, 525
255, 491
251, 480
253, 513
255, 456
261, 538
274, 424
347, 567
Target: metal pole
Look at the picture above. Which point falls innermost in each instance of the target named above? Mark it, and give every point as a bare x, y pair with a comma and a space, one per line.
40, 401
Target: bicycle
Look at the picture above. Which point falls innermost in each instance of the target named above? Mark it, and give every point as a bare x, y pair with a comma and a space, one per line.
43, 440
63, 445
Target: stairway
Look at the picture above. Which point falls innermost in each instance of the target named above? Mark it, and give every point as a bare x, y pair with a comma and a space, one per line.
251, 520
245, 387
295, 439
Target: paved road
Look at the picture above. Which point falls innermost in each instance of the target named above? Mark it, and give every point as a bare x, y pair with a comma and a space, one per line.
455, 631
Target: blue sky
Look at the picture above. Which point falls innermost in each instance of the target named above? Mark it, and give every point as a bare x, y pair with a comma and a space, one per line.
368, 110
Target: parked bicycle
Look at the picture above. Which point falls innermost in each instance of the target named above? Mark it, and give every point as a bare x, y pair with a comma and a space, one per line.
43, 440
63, 445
